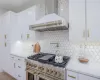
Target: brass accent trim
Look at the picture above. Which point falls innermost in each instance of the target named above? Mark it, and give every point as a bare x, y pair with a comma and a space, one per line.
72, 76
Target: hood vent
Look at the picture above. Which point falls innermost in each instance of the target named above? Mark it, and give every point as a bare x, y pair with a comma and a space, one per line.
51, 22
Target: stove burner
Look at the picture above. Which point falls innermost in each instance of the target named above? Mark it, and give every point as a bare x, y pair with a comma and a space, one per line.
51, 60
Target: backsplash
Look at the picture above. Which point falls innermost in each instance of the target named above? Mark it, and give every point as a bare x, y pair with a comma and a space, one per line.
88, 50
57, 42
49, 37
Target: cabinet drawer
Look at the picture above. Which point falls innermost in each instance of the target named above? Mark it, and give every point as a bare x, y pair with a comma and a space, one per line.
20, 59
21, 67
21, 75
72, 75
85, 77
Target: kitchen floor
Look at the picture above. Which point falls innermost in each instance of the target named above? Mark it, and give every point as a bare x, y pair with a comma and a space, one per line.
4, 76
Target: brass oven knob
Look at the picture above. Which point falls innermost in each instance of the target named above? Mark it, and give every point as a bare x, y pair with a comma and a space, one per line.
47, 70
55, 73
51, 71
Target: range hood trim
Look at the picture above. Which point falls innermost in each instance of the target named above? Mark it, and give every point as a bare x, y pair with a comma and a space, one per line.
50, 22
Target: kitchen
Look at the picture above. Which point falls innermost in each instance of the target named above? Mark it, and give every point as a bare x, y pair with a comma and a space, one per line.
57, 42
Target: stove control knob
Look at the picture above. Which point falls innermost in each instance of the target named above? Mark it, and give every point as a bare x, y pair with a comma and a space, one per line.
47, 70
42, 68
51, 71
55, 73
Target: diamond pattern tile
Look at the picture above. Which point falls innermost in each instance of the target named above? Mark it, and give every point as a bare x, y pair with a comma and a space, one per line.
88, 50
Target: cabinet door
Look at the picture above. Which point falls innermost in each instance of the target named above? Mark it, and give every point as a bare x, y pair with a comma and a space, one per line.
13, 67
26, 18
93, 21
84, 77
77, 21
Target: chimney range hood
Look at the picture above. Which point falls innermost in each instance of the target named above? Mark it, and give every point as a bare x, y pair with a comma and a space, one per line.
50, 22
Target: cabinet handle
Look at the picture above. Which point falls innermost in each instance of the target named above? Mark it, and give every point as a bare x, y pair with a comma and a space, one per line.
21, 36
19, 59
12, 57
5, 36
72, 76
28, 35
19, 67
14, 65
5, 44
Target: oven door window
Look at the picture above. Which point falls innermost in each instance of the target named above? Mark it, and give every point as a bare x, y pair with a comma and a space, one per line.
41, 78
31, 77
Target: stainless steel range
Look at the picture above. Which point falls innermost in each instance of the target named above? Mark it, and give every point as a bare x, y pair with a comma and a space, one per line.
43, 67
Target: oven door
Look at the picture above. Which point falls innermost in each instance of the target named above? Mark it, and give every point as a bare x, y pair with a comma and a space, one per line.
41, 77
30, 76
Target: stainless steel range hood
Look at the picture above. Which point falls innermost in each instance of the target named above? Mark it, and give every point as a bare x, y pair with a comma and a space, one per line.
50, 22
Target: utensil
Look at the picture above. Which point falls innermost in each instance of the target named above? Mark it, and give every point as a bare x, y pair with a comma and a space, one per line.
83, 60
37, 48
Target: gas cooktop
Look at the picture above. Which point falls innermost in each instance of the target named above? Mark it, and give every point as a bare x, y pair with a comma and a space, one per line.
49, 59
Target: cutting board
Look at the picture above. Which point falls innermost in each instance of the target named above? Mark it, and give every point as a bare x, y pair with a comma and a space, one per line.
37, 48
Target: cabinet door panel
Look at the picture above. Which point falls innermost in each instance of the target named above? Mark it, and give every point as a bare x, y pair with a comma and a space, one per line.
84, 77
93, 21
77, 21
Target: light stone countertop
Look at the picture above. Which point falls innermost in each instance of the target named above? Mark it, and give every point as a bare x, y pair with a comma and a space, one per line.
90, 69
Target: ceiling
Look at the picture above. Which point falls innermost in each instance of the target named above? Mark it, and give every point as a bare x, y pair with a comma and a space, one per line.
17, 5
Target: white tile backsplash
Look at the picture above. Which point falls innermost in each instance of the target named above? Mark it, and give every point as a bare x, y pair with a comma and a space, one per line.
66, 48
91, 50
60, 37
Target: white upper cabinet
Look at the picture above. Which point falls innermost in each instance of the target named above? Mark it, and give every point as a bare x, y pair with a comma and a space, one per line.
84, 17
76, 21
25, 19
93, 20
40, 10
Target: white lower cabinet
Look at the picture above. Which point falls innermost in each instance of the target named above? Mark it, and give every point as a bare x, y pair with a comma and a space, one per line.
77, 76
18, 65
